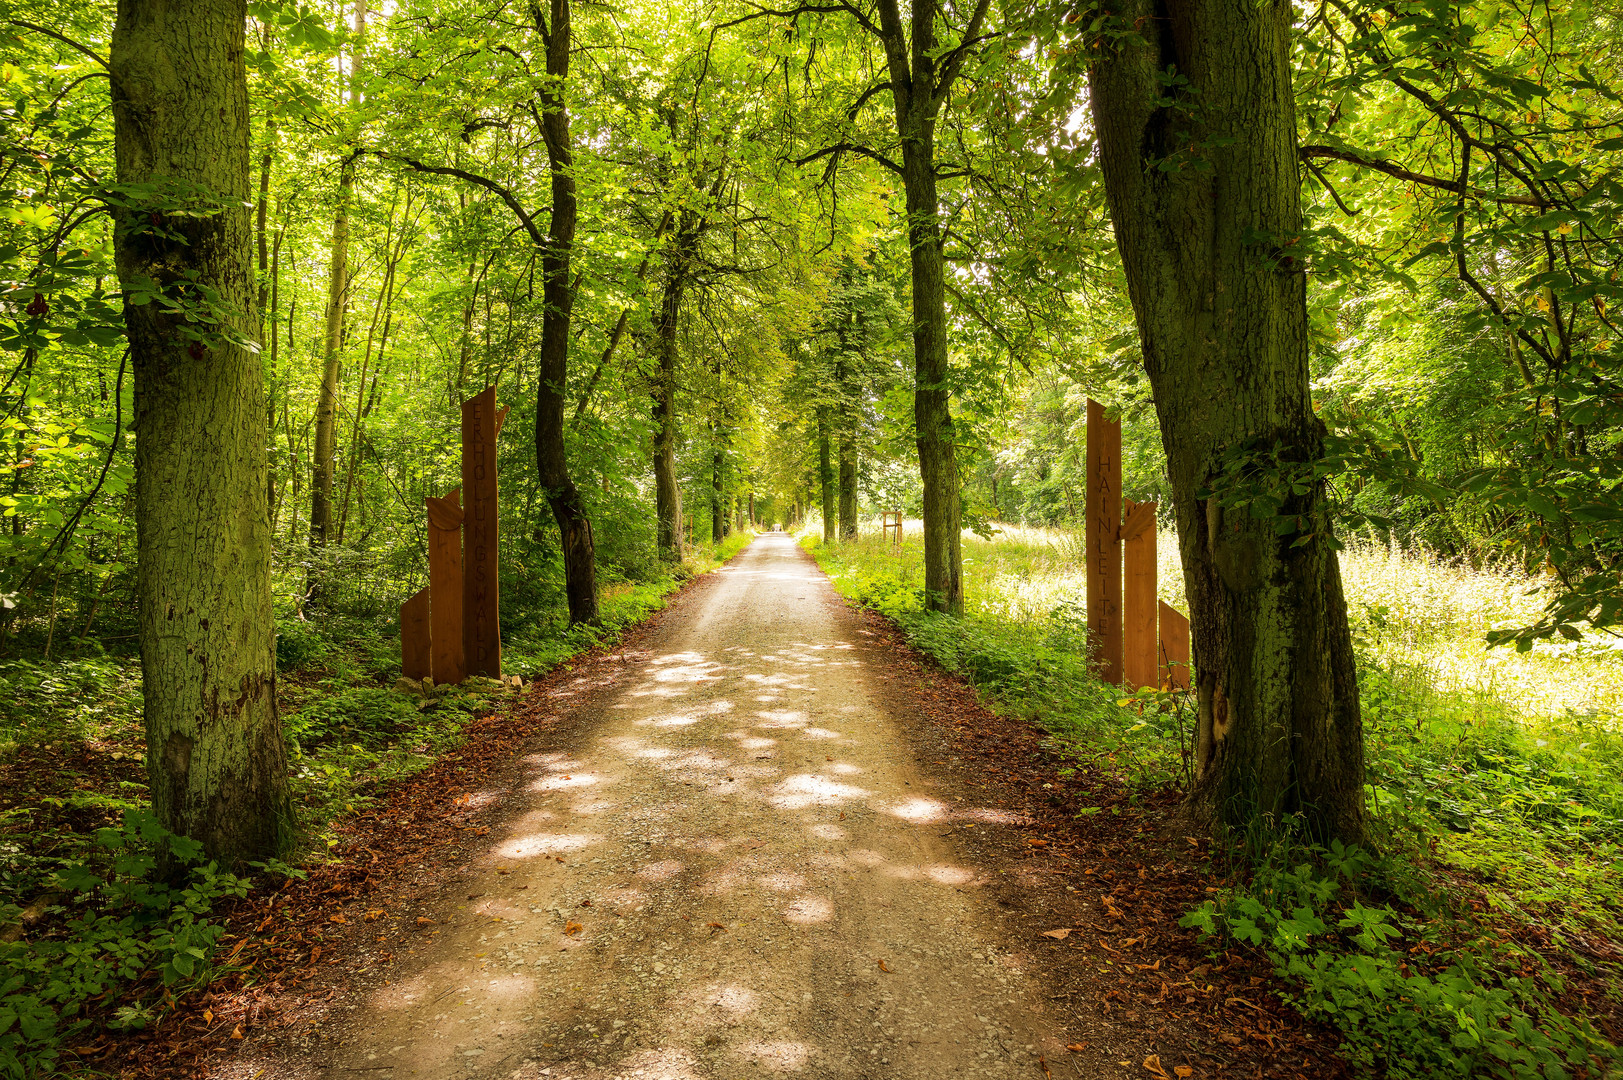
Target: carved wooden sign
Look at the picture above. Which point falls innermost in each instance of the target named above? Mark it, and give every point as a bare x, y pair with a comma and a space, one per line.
1174, 674
481, 595
445, 586
1138, 602
1103, 538
415, 637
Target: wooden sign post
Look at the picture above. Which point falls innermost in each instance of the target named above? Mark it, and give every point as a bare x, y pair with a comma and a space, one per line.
1133, 638
445, 586
416, 637
481, 590
1138, 595
1174, 673
893, 520
1103, 537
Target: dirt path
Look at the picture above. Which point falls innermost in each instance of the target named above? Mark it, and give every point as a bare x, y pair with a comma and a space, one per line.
740, 872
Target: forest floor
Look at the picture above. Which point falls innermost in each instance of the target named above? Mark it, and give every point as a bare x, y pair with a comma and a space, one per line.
761, 837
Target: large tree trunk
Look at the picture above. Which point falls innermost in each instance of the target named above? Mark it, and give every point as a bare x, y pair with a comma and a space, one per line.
323, 455
666, 497
932, 413
718, 507
848, 486
825, 474
1204, 194
323, 461
552, 462
215, 757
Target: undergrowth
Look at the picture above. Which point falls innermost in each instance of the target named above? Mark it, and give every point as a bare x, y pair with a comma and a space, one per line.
90, 931
1499, 826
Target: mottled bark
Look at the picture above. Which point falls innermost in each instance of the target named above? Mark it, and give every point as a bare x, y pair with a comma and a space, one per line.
1204, 193
552, 462
825, 475
848, 486
666, 497
216, 761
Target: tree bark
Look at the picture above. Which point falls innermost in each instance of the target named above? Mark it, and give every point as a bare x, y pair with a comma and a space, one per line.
323, 456
825, 475
216, 761
552, 462
666, 498
1203, 190
848, 486
718, 507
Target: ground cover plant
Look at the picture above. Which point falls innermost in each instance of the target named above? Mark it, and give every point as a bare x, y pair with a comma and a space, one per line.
1477, 935
118, 918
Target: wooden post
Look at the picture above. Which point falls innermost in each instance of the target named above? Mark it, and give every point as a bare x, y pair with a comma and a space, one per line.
1103, 536
415, 634
1174, 649
892, 519
481, 595
1138, 600
445, 584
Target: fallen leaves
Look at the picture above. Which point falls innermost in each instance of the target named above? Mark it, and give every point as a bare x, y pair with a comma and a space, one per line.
1059, 935
715, 926
883, 968
1153, 1064
572, 928
1076, 1048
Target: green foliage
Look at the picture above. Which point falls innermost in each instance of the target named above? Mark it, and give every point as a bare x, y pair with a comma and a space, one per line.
123, 923
1409, 1002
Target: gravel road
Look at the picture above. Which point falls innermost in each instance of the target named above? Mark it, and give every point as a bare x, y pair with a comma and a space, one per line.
738, 871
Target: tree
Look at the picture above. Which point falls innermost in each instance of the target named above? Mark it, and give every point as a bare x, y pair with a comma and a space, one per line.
1197, 141
215, 756
558, 294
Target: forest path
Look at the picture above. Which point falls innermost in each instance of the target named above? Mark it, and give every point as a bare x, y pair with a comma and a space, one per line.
738, 871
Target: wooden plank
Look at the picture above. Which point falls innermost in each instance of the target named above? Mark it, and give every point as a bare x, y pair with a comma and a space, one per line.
481, 591
1138, 602
1103, 537
445, 586
415, 634
1174, 649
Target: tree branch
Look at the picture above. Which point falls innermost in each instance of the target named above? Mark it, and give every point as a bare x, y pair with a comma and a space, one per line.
1310, 153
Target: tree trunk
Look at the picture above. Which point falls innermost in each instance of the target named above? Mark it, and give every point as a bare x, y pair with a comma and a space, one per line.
718, 508
216, 761
825, 474
666, 497
323, 457
848, 486
552, 462
1204, 194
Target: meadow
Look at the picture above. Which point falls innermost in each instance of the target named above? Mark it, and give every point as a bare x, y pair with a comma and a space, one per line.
1494, 792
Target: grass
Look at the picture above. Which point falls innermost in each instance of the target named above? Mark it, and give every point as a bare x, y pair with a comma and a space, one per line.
1495, 779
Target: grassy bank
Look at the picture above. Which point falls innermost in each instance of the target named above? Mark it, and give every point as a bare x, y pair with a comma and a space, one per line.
1495, 887
87, 930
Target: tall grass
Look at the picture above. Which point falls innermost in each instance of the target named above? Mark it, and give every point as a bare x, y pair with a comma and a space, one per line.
1495, 790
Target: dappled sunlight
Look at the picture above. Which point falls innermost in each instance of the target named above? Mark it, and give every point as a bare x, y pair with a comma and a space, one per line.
782, 882
988, 816
919, 810
819, 733
844, 769
943, 874
803, 790
734, 1000
537, 845
828, 832
563, 782
661, 871
809, 910
595, 806
778, 1056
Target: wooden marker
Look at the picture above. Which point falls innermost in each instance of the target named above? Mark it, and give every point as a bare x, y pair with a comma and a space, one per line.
1138, 602
415, 636
1103, 536
445, 586
1174, 649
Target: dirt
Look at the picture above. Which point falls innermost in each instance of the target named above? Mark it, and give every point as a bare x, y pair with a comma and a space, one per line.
760, 839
